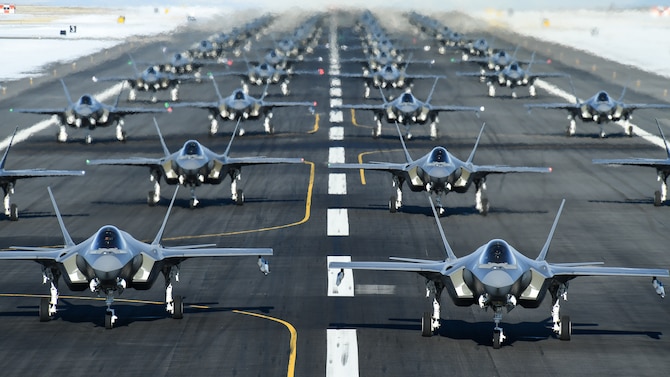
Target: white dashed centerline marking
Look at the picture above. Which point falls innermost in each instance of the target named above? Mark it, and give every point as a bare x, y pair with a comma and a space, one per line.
341, 353
337, 184
336, 155
345, 288
338, 222
336, 133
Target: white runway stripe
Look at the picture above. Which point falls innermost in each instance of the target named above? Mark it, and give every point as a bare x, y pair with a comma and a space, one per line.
338, 222
341, 353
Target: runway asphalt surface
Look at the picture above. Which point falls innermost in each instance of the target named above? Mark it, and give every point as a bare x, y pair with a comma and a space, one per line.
238, 322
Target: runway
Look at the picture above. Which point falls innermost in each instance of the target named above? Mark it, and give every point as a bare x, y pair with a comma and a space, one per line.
238, 322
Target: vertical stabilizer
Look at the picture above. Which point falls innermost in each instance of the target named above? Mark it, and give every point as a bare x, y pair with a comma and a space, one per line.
545, 248
166, 151
67, 93
4, 157
447, 247
474, 149
66, 236
159, 235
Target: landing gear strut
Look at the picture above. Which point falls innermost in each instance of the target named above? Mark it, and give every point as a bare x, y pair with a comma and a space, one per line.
395, 202
430, 322
481, 201
11, 210
173, 305
237, 195
661, 195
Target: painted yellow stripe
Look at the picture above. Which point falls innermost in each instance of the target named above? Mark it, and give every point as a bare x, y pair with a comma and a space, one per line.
353, 120
308, 209
293, 344
360, 161
316, 124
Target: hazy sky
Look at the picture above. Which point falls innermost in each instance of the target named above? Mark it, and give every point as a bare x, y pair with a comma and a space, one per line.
325, 4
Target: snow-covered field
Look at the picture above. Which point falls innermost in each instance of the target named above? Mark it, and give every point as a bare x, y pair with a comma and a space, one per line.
32, 38
635, 37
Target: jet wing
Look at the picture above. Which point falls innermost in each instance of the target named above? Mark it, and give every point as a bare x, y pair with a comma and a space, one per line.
31, 253
385, 166
286, 104
41, 111
428, 266
634, 106
361, 107
242, 161
650, 162
574, 271
37, 173
190, 252
456, 108
200, 105
136, 110
563, 105
136, 161
496, 169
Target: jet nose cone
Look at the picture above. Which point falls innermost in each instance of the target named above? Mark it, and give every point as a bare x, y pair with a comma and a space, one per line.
190, 165
498, 283
107, 267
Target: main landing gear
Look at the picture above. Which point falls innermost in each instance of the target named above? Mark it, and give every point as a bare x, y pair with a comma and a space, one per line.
562, 324
11, 210
661, 195
481, 200
48, 304
237, 195
173, 305
395, 202
430, 322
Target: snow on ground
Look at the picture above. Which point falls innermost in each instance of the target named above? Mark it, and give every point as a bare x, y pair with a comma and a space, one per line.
31, 38
32, 35
635, 37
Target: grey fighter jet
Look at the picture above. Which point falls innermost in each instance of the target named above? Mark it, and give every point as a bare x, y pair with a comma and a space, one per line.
662, 167
388, 76
194, 165
8, 179
600, 109
408, 110
151, 79
512, 76
111, 260
240, 106
439, 172
498, 276
265, 74
90, 113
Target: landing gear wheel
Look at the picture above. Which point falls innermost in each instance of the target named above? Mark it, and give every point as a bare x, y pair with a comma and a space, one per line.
426, 325
240, 198
13, 212
497, 336
392, 205
150, 198
124, 137
485, 206
44, 310
657, 199
192, 203
630, 131
566, 328
108, 321
89, 139
178, 307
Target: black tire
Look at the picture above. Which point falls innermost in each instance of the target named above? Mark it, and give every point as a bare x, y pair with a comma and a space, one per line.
191, 203
657, 199
392, 207
14, 212
44, 310
566, 328
240, 198
496, 339
150, 198
108, 321
426, 328
178, 307
485, 206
